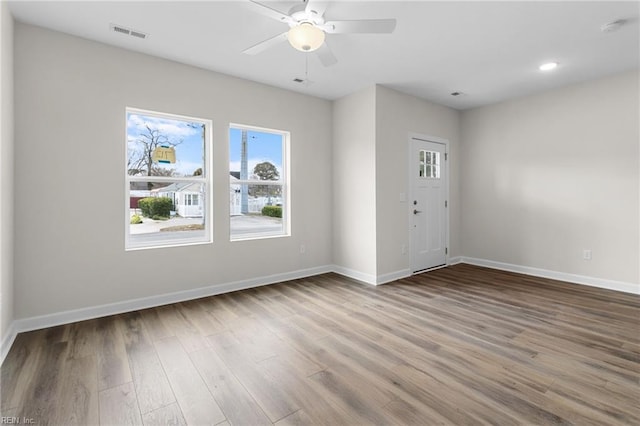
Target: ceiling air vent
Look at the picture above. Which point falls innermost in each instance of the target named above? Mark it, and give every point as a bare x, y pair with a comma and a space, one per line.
138, 34
124, 30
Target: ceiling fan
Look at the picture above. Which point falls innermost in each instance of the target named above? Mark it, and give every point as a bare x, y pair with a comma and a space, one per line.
307, 29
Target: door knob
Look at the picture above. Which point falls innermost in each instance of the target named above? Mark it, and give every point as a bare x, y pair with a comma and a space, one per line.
416, 211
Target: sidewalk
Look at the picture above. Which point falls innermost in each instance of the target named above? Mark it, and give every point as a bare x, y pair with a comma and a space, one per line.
149, 225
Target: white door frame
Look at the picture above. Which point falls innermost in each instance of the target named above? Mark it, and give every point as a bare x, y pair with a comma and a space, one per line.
445, 142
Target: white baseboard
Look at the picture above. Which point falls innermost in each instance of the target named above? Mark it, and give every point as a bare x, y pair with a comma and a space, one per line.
66, 317
555, 275
356, 275
393, 276
7, 341
370, 278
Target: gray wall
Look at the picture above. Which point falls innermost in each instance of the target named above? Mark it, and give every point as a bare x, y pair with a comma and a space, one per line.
354, 184
71, 96
370, 155
547, 176
398, 114
6, 170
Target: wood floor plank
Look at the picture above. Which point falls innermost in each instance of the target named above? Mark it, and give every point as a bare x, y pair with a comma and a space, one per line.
196, 402
154, 325
320, 408
151, 384
234, 400
19, 370
339, 391
79, 391
410, 414
82, 339
459, 345
43, 393
119, 407
217, 308
165, 416
299, 418
274, 401
185, 328
113, 362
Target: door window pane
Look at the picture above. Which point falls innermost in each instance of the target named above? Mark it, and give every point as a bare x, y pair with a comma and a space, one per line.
429, 164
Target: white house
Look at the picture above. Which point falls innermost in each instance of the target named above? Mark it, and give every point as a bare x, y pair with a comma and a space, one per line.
187, 197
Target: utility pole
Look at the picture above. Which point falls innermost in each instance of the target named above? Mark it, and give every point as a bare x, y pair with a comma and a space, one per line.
244, 175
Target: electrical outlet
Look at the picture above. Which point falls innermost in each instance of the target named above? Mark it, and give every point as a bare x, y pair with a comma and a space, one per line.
303, 249
403, 249
586, 254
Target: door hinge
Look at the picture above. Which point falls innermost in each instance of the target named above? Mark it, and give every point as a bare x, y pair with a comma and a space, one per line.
446, 250
446, 203
446, 155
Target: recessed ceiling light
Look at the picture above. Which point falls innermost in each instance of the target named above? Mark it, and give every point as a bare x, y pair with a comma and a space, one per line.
548, 66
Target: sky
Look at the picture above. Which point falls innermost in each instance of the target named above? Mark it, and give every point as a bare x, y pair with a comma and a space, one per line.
261, 146
189, 153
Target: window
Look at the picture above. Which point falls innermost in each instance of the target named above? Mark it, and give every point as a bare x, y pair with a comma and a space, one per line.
429, 164
191, 199
167, 180
258, 183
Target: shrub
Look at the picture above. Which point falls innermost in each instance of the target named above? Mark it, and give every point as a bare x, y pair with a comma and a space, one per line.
158, 217
156, 206
136, 219
273, 211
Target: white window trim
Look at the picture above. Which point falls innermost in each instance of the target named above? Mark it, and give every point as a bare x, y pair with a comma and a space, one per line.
205, 179
284, 182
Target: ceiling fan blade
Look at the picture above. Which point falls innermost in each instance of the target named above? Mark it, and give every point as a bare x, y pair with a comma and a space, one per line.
264, 45
325, 55
271, 12
377, 26
314, 6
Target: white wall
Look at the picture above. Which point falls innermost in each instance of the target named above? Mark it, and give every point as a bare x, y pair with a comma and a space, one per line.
533, 181
354, 184
547, 176
398, 114
370, 155
71, 96
6, 173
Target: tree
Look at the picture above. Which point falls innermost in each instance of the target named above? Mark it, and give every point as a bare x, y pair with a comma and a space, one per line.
198, 172
265, 171
140, 158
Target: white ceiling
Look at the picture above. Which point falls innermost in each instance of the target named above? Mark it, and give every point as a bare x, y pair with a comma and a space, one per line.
490, 51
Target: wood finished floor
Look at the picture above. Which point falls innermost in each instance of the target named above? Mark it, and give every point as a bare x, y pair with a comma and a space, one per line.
460, 345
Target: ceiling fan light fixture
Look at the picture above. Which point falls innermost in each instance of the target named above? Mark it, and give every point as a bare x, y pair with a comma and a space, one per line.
306, 37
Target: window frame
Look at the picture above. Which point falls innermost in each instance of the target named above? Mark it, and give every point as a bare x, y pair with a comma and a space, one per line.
205, 179
284, 183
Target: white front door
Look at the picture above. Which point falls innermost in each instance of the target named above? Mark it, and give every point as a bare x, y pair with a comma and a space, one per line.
428, 204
